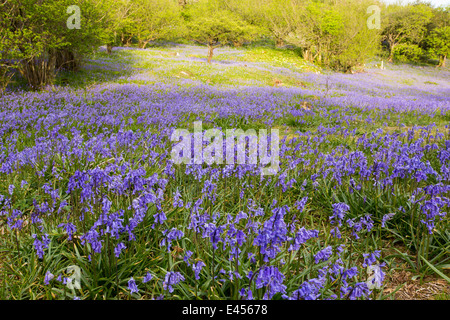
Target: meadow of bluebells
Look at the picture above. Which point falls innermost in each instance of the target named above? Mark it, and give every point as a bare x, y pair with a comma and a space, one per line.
88, 184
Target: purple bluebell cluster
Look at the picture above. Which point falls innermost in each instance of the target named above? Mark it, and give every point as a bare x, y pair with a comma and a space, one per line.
89, 173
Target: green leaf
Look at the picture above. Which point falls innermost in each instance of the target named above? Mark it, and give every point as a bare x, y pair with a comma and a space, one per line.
436, 270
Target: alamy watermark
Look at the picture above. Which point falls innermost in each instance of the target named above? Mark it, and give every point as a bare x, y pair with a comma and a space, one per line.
374, 21
74, 21
241, 147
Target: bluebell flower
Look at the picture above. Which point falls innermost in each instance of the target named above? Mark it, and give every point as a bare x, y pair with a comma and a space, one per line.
240, 237
160, 217
132, 286
335, 232
361, 290
14, 221
300, 204
386, 218
309, 290
239, 216
339, 211
177, 201
39, 245
197, 268
118, 249
340, 249
273, 234
114, 224
92, 236
187, 257
70, 229
432, 209
301, 237
147, 277
323, 255
370, 258
247, 294
367, 221
214, 233
171, 279
271, 278
350, 273
106, 205
173, 234
48, 277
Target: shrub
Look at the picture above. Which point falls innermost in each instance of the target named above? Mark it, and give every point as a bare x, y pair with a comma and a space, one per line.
405, 52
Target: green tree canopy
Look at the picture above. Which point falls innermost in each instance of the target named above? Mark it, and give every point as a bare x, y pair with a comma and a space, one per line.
208, 24
155, 19
35, 33
439, 41
405, 23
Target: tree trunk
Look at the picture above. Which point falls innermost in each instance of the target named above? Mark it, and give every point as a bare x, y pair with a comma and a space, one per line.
391, 53
306, 54
442, 60
109, 48
318, 57
279, 42
391, 57
144, 43
66, 59
237, 44
39, 71
140, 41
210, 53
128, 41
5, 77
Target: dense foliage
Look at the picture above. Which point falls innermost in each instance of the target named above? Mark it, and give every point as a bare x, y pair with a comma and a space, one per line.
333, 34
37, 42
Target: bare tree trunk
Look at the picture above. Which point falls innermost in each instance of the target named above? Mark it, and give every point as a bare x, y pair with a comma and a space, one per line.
66, 59
442, 60
319, 58
140, 41
279, 42
391, 53
237, 44
210, 53
109, 48
5, 77
307, 55
39, 71
144, 44
128, 41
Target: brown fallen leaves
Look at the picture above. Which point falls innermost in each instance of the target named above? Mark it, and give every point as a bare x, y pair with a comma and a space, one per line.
414, 289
